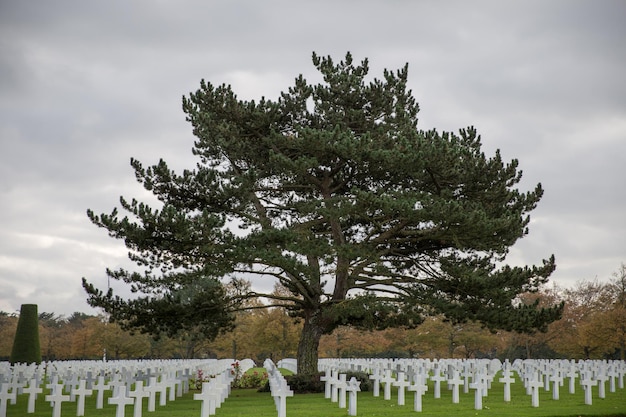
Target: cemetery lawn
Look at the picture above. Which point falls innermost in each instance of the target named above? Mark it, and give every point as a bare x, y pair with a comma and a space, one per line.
249, 402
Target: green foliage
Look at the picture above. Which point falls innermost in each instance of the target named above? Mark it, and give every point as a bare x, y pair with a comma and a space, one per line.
333, 191
471, 290
197, 307
305, 383
369, 312
26, 347
254, 378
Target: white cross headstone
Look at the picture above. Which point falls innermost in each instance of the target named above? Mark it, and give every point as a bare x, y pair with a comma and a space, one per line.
80, 391
209, 398
557, 380
466, 374
334, 389
621, 371
186, 376
32, 390
455, 382
6, 396
56, 398
545, 377
572, 373
587, 384
326, 378
152, 388
387, 380
479, 385
376, 376
342, 384
401, 383
172, 384
121, 401
437, 378
89, 379
162, 385
115, 383
507, 379
100, 387
179, 383
354, 386
138, 394
612, 374
71, 381
420, 387
602, 377
15, 386
54, 381
222, 382
281, 393
533, 385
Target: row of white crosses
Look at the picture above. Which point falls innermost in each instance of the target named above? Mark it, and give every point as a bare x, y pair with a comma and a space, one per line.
478, 375
278, 387
412, 381
214, 393
551, 375
289, 364
130, 382
336, 388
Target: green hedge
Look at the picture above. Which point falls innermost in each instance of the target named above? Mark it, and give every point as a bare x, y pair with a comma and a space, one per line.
26, 348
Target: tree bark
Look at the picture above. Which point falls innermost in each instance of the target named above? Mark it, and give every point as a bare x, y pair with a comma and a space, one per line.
308, 347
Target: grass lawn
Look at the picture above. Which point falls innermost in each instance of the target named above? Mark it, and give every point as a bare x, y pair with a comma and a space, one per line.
248, 402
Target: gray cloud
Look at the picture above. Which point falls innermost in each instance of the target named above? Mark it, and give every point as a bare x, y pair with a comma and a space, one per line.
84, 86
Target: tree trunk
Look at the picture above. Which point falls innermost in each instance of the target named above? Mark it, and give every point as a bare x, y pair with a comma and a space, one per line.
308, 347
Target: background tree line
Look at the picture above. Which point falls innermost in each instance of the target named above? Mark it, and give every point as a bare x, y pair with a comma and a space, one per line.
593, 326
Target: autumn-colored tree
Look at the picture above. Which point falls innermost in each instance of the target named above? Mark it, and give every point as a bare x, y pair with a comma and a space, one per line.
397, 342
440, 338
579, 335
185, 344
349, 341
473, 340
8, 326
53, 337
120, 344
611, 322
239, 342
536, 344
86, 343
165, 347
276, 333
428, 340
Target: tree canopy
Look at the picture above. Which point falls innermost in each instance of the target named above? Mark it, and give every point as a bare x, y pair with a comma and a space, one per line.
333, 191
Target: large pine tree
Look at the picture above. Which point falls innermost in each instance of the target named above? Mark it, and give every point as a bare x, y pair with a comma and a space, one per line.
333, 191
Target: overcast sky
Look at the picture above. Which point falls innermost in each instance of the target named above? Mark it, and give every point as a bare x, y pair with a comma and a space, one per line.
85, 86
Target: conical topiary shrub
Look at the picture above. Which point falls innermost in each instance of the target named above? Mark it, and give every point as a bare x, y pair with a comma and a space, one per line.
26, 347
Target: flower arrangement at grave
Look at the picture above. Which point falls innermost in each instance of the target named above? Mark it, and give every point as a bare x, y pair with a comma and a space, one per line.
253, 379
235, 371
200, 378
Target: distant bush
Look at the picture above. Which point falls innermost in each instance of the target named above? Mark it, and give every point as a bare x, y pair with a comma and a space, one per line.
309, 384
364, 378
304, 384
